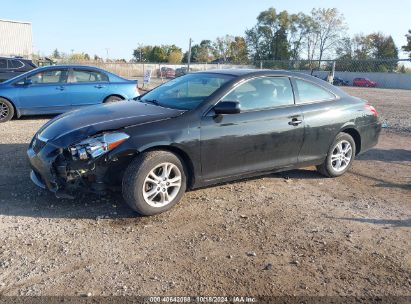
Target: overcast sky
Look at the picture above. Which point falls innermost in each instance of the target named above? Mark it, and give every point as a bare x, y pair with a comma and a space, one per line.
92, 26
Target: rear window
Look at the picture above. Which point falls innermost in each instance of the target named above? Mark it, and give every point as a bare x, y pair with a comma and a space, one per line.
88, 76
309, 92
16, 64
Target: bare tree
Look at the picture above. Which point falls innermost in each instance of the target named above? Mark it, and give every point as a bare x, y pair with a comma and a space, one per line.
329, 29
222, 47
311, 39
299, 28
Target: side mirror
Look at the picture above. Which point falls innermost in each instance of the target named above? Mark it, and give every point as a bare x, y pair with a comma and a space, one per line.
227, 107
28, 82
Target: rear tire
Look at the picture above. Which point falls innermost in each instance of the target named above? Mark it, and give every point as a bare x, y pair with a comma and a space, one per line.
113, 99
6, 110
154, 182
340, 156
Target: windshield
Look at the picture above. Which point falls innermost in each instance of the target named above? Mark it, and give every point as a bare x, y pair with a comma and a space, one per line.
186, 92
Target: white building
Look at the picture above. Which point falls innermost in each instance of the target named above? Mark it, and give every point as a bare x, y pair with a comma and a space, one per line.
15, 38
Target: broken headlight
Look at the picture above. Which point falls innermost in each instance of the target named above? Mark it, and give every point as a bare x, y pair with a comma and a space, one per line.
96, 146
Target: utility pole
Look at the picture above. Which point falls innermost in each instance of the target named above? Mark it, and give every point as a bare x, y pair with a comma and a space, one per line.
107, 49
140, 46
189, 56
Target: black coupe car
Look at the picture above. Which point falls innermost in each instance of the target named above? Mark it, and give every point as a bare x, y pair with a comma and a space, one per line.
202, 129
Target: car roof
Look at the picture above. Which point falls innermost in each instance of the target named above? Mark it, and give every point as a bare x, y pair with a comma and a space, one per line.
70, 66
249, 73
257, 72
16, 58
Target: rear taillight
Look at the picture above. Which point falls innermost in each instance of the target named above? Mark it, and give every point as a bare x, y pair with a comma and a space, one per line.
371, 109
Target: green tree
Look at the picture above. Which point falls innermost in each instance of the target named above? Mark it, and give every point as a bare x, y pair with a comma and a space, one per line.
77, 57
205, 51
383, 47
195, 49
97, 58
157, 54
238, 51
407, 47
175, 56
141, 53
268, 39
373, 53
56, 54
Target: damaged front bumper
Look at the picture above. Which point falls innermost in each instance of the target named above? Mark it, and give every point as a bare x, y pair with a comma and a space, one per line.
52, 169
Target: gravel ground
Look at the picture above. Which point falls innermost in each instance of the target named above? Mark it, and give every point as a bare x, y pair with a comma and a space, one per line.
393, 105
294, 233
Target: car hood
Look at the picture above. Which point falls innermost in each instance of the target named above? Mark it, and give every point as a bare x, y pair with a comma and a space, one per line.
79, 124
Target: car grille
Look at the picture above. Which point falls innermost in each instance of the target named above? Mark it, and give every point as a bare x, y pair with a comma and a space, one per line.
37, 145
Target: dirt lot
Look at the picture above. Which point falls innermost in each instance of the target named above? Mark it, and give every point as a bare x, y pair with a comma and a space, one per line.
294, 233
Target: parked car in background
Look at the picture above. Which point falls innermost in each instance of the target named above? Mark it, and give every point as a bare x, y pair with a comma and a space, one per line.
12, 67
57, 89
45, 61
165, 72
202, 129
364, 82
338, 81
181, 71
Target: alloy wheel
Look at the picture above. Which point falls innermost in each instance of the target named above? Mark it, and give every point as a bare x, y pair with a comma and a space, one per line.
341, 156
162, 185
4, 110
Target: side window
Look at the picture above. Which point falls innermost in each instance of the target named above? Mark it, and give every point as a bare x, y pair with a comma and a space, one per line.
49, 76
309, 92
3, 64
262, 93
16, 64
88, 76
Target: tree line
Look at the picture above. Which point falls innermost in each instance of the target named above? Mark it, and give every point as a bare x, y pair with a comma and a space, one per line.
280, 36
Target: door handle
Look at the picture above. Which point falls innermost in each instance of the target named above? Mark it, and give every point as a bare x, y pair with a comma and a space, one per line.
99, 86
60, 88
295, 122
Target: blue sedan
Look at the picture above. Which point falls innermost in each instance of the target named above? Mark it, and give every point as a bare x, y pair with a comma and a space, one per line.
57, 89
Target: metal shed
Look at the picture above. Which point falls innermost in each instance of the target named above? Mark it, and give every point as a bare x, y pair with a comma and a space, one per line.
15, 38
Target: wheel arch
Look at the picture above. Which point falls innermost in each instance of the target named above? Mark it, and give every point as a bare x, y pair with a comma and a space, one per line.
114, 95
16, 110
187, 162
353, 132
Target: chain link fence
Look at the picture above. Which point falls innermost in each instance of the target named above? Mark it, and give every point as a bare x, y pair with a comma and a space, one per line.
385, 73
393, 74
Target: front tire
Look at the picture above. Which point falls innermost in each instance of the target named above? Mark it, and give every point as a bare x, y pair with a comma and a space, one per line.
154, 182
340, 156
6, 110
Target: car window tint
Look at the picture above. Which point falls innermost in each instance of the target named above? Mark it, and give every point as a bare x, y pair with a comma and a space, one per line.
186, 92
88, 76
197, 87
262, 93
16, 64
3, 64
49, 76
309, 92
